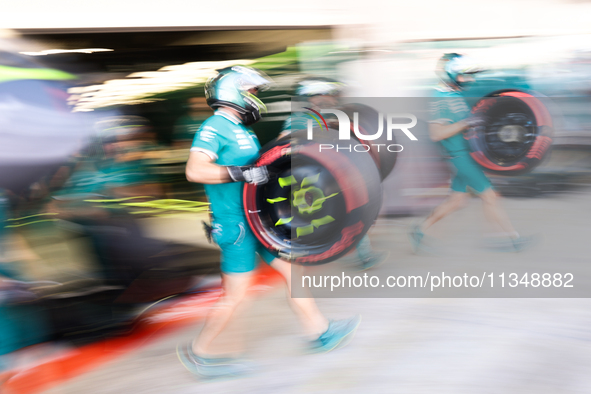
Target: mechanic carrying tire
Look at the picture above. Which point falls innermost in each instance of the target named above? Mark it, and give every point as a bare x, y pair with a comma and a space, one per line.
452, 125
222, 157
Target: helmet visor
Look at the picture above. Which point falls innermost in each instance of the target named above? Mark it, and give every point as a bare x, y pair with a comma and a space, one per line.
249, 79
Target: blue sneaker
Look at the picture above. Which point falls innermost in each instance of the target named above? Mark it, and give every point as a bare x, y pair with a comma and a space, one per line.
211, 368
510, 244
522, 243
416, 238
338, 335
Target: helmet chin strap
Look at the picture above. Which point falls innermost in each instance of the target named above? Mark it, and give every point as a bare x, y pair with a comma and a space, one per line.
251, 117
246, 117
230, 111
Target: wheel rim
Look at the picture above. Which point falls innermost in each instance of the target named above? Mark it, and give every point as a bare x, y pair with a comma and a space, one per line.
509, 138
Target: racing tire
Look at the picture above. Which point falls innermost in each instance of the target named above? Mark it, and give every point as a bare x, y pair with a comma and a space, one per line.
517, 134
320, 203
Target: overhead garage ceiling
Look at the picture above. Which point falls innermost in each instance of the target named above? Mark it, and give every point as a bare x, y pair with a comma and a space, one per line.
146, 49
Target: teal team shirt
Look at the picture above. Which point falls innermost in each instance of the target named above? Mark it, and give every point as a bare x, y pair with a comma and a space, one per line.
447, 107
229, 143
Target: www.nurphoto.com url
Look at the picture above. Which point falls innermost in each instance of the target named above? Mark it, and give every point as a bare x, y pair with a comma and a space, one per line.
436, 281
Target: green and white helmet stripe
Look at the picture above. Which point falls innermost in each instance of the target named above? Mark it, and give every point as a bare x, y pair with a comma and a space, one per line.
255, 101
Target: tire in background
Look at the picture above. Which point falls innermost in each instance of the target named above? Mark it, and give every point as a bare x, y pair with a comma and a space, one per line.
369, 124
517, 134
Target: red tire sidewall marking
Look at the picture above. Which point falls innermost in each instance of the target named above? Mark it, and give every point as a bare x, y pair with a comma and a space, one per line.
254, 220
540, 111
249, 197
348, 238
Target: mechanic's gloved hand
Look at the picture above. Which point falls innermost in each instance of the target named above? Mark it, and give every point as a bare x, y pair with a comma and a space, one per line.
475, 121
249, 174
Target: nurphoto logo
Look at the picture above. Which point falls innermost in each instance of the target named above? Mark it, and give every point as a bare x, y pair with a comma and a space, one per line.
402, 122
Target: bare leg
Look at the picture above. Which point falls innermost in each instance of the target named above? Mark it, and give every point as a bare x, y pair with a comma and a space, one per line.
306, 309
235, 287
496, 214
452, 204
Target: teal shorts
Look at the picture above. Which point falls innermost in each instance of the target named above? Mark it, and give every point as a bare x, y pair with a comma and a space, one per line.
239, 245
469, 176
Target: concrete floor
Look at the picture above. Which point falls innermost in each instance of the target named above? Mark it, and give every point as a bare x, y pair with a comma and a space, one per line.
405, 345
